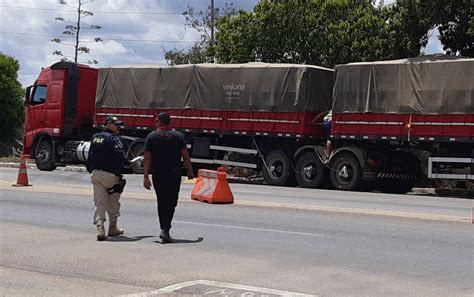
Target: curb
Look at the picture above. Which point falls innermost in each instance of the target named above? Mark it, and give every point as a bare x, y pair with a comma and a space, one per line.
243, 180
424, 191
33, 166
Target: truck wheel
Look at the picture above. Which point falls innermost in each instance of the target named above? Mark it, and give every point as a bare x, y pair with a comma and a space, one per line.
279, 167
44, 157
309, 170
136, 151
345, 173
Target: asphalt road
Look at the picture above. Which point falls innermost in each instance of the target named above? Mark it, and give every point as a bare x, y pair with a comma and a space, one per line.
272, 241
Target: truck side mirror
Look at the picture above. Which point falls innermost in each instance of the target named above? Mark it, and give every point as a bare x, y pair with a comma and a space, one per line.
27, 96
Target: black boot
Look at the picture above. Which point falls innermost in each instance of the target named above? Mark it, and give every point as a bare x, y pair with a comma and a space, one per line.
165, 236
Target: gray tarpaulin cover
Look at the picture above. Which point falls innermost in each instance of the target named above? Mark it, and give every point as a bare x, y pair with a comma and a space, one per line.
236, 87
423, 85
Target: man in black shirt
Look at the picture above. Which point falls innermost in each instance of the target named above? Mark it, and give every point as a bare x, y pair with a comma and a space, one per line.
164, 149
107, 161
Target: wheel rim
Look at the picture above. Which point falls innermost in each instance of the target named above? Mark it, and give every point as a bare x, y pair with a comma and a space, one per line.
43, 156
275, 169
344, 174
308, 172
140, 164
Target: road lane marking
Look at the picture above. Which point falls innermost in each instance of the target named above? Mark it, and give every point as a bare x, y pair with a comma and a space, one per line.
214, 288
251, 228
150, 195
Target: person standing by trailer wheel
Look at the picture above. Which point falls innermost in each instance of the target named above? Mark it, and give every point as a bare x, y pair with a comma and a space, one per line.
107, 161
327, 130
164, 149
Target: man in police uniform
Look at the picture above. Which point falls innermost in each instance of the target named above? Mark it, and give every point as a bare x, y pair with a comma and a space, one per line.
107, 161
164, 149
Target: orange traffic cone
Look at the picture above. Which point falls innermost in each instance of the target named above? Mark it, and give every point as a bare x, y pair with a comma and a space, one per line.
22, 179
212, 187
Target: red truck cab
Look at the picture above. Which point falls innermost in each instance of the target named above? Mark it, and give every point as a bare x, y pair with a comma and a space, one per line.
60, 108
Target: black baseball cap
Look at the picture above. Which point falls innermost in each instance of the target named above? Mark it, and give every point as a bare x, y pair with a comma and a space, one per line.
113, 120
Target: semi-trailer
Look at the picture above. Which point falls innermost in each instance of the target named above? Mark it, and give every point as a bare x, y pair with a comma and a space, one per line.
393, 122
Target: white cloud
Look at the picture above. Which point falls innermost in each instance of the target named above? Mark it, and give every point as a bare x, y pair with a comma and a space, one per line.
108, 48
34, 23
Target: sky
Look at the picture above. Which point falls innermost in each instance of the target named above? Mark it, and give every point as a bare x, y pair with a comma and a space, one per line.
134, 31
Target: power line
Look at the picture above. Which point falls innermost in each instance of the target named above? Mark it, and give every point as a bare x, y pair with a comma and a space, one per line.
105, 39
115, 12
110, 12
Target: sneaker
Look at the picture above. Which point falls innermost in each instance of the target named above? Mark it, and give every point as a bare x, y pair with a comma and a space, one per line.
100, 232
115, 231
165, 236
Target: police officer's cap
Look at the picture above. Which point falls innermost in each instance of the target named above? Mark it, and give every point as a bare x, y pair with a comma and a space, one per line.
113, 120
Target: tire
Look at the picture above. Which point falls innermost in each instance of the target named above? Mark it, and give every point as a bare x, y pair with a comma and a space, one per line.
345, 173
44, 156
136, 151
309, 171
280, 168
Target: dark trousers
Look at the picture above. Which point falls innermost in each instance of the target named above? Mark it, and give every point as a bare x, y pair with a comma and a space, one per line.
167, 189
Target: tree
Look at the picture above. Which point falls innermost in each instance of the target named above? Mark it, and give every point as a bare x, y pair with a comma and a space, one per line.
12, 112
409, 24
236, 40
306, 32
197, 54
334, 32
411, 20
73, 29
456, 26
327, 33
202, 51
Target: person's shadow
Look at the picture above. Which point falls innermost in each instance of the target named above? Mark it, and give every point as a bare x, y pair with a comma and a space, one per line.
177, 240
122, 238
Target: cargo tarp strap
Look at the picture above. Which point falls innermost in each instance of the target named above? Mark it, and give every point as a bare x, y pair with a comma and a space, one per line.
261, 156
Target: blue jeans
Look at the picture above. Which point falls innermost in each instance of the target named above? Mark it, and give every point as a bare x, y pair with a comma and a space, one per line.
327, 129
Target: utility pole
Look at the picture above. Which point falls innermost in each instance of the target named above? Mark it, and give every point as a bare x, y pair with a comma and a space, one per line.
212, 29
78, 24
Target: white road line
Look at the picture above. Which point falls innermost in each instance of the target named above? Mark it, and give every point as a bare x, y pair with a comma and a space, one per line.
251, 228
249, 289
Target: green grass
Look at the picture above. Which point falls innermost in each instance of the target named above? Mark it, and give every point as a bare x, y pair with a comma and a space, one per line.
9, 159
12, 159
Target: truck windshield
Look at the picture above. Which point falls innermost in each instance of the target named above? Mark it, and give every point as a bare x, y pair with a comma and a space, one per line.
39, 95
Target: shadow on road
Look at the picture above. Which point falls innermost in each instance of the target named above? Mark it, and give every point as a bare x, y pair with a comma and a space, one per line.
126, 238
176, 240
